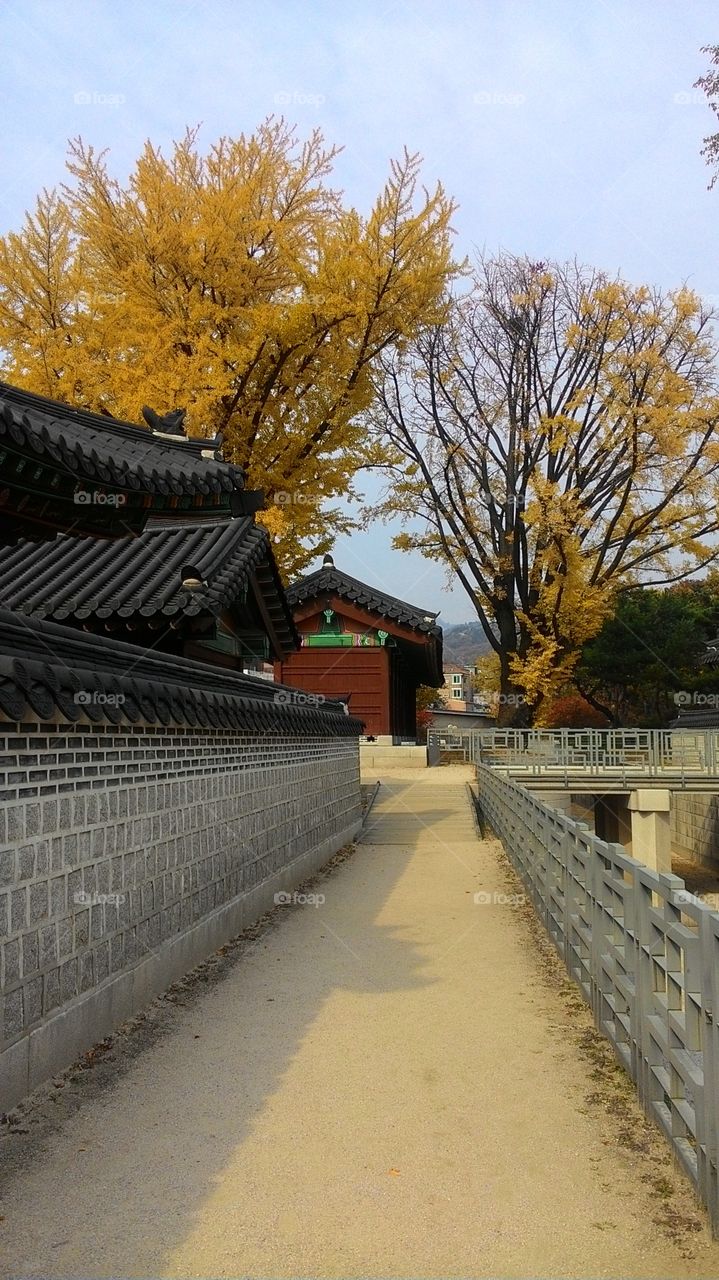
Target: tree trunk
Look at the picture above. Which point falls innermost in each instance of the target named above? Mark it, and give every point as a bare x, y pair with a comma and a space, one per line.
514, 710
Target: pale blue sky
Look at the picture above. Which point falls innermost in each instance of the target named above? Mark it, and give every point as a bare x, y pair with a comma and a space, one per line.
563, 127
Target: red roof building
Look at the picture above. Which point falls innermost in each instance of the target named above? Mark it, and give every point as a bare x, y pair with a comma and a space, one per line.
358, 643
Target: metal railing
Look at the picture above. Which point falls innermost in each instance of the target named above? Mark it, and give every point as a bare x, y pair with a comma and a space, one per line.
645, 954
682, 754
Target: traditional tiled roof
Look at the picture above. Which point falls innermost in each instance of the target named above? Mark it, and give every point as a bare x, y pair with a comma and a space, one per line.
45, 667
107, 451
696, 718
419, 637
65, 468
76, 579
710, 658
331, 581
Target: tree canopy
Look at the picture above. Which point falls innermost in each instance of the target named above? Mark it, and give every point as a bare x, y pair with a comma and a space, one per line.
553, 441
649, 652
237, 283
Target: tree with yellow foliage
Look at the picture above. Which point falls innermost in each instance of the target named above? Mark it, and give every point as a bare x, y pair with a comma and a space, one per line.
554, 441
236, 283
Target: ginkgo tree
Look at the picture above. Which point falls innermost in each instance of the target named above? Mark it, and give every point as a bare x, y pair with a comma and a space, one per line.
555, 440
234, 282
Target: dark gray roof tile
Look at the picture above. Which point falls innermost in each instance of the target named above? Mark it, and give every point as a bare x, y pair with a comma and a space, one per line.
97, 448
43, 666
80, 578
331, 581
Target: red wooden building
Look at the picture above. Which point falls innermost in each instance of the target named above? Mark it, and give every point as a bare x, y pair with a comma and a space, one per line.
362, 644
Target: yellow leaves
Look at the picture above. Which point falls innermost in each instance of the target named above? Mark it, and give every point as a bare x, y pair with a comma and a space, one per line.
686, 303
568, 607
403, 542
541, 671
487, 678
569, 443
274, 520
235, 283
559, 430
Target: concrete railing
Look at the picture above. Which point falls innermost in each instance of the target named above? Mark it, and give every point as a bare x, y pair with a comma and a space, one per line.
563, 754
645, 954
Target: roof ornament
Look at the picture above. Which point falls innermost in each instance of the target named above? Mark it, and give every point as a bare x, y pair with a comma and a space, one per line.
170, 424
191, 578
328, 562
212, 447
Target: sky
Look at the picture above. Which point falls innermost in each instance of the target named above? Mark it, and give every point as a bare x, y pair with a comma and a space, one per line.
564, 128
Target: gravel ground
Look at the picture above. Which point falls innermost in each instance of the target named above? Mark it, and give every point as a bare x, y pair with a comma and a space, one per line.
399, 1081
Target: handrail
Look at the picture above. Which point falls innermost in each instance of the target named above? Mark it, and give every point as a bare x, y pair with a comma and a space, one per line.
684, 754
645, 955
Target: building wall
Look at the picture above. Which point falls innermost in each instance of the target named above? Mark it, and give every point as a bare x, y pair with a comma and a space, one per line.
129, 854
361, 672
695, 827
461, 722
457, 681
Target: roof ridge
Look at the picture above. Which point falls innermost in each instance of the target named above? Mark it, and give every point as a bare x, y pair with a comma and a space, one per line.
106, 452
322, 578
105, 422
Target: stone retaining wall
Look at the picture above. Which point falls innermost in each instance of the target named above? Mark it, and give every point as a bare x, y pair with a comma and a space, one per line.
129, 853
695, 827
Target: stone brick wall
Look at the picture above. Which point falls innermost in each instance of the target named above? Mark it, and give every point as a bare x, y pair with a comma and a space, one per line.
127, 854
695, 827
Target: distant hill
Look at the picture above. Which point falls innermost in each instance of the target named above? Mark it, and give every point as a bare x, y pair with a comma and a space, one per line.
464, 642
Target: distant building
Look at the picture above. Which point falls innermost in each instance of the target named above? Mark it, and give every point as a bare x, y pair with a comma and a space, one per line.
362, 647
456, 692
451, 723
700, 709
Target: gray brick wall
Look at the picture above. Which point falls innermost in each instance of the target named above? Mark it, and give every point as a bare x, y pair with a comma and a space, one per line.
115, 840
695, 827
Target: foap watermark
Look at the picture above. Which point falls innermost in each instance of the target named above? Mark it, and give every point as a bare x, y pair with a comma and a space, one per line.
285, 498
294, 98
689, 98
82, 899
284, 899
683, 698
298, 698
493, 98
513, 502
96, 698
500, 899
685, 896
98, 498
91, 98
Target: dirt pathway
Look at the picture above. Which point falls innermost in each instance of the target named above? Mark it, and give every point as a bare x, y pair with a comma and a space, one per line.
397, 1082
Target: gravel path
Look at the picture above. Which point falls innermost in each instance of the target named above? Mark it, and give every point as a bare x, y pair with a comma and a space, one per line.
398, 1082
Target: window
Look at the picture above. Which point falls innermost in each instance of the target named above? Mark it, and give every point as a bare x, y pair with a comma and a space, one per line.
456, 679
456, 693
